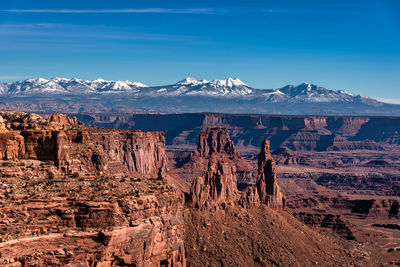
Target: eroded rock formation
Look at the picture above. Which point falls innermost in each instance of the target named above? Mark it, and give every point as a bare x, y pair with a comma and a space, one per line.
267, 186
215, 140
217, 188
63, 119
266, 190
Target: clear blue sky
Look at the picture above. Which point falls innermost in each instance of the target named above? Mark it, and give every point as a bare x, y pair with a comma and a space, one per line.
350, 45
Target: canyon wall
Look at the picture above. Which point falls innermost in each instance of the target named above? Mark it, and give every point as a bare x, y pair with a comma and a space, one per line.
88, 220
73, 195
117, 151
316, 133
75, 147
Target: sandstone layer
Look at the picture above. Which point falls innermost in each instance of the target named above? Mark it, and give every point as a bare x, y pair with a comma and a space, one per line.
75, 147
72, 195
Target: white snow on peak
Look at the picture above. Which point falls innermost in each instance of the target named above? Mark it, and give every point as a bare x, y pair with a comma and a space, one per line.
99, 80
119, 85
230, 82
73, 85
36, 80
191, 87
188, 81
136, 84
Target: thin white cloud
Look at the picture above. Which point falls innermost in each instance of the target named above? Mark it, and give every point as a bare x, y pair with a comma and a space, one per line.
79, 31
312, 11
5, 78
203, 11
390, 100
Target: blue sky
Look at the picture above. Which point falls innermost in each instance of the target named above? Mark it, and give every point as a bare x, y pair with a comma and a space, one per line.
350, 45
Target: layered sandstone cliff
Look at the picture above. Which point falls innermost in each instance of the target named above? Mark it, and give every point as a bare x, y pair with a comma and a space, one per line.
88, 220
75, 147
116, 151
72, 195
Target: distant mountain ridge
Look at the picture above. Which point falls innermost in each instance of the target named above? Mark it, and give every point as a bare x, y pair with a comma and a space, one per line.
188, 87
189, 95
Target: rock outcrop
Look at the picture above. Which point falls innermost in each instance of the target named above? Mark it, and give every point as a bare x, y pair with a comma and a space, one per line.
116, 151
215, 141
73, 195
63, 119
89, 220
217, 188
75, 147
267, 186
266, 190
15, 120
11, 145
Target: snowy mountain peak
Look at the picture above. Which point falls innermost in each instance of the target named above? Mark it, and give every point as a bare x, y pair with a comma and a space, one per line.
188, 81
229, 82
99, 80
36, 80
68, 86
231, 88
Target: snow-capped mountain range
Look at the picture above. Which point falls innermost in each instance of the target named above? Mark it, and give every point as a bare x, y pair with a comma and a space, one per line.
64, 85
189, 87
